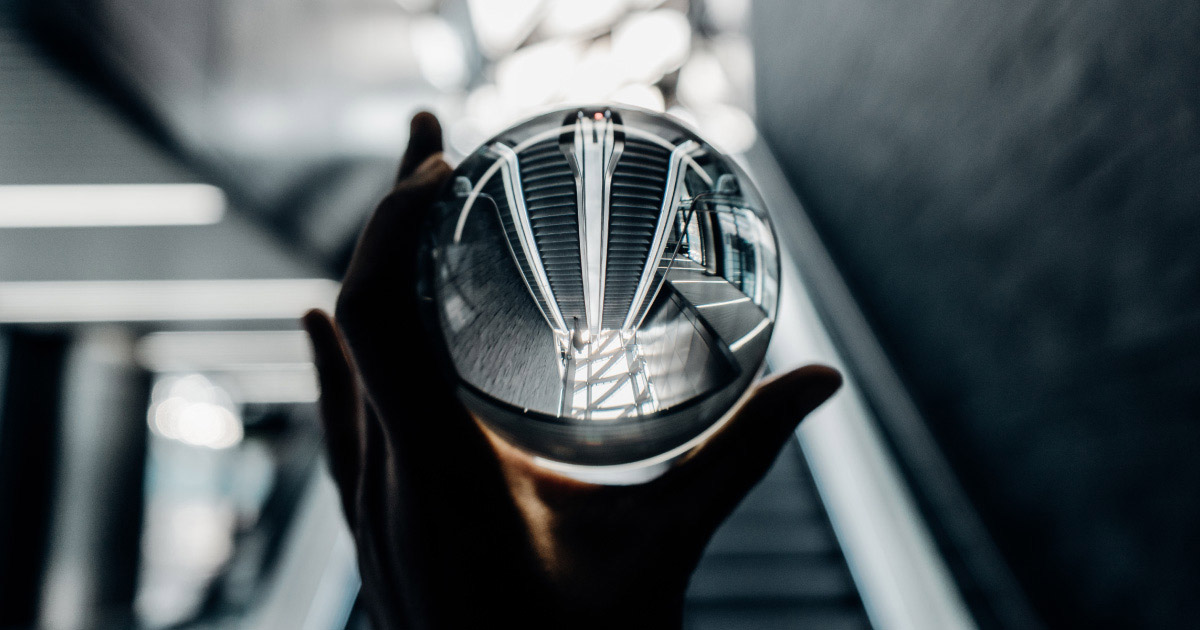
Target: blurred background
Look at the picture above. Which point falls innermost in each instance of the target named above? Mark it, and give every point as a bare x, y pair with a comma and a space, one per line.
989, 219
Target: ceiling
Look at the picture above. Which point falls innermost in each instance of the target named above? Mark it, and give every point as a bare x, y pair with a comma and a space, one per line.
299, 109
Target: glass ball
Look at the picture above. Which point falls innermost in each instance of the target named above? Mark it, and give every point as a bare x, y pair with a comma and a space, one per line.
605, 284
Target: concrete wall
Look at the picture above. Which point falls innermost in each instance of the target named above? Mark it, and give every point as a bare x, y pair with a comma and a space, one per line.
1012, 191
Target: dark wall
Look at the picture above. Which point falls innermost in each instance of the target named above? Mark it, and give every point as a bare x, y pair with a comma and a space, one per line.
31, 371
1012, 190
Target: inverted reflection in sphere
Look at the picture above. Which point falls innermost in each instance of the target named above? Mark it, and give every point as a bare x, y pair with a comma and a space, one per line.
605, 283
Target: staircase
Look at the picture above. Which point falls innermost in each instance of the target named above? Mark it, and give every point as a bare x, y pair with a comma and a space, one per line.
776, 564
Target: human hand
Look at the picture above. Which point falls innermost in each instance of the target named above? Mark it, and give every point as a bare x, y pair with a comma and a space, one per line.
454, 527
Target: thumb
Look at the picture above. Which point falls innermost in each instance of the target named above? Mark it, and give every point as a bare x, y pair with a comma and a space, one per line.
738, 456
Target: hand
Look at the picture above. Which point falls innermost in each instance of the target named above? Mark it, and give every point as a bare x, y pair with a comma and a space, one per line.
454, 527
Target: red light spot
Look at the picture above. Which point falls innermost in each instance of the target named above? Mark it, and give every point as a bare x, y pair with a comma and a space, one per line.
598, 116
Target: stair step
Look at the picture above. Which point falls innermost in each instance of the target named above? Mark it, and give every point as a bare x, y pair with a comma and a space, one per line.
775, 576
758, 616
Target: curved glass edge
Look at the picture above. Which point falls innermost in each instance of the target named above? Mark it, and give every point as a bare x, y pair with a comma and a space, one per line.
733, 202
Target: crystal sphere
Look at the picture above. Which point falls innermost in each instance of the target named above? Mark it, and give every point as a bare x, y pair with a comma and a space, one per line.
605, 284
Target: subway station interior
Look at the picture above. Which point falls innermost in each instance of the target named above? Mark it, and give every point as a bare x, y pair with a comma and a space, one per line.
984, 215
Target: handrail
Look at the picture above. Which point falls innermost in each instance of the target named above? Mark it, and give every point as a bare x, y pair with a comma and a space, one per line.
901, 577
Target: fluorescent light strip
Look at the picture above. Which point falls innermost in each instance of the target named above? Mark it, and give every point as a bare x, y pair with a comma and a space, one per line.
725, 303
222, 350
256, 366
73, 205
272, 384
162, 300
754, 332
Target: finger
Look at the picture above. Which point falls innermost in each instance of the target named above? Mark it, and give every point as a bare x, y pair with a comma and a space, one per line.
386, 250
339, 406
743, 451
424, 140
402, 363
378, 308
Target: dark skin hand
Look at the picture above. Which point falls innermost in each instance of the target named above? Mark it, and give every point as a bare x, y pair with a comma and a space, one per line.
454, 527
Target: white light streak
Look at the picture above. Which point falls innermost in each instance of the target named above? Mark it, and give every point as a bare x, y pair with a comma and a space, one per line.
754, 332
162, 300
72, 205
725, 303
220, 349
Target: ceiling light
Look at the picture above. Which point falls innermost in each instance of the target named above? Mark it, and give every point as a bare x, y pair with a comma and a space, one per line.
640, 95
254, 366
195, 411
702, 80
596, 76
649, 45
572, 17
729, 128
198, 351
534, 75
71, 205
727, 15
501, 25
273, 384
440, 52
162, 300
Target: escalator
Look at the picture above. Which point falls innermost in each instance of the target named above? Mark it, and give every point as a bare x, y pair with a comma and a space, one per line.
549, 188
776, 562
637, 191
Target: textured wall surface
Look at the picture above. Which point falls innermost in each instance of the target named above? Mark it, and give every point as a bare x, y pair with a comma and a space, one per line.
1012, 190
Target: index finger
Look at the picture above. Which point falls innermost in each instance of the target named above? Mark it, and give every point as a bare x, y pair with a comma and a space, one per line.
424, 140
378, 308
